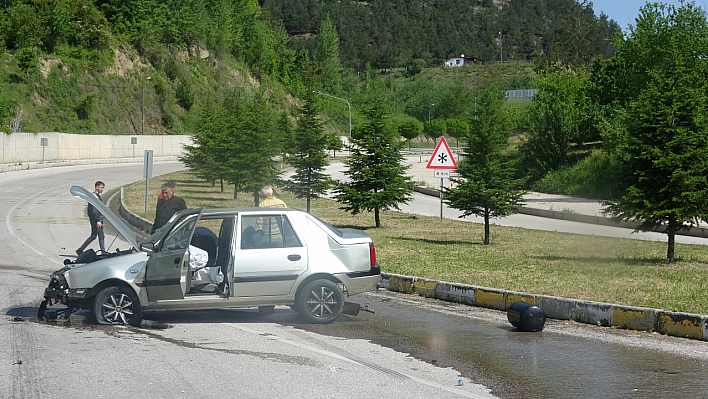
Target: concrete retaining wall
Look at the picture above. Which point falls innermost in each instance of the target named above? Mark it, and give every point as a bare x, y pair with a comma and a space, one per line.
676, 324
20, 148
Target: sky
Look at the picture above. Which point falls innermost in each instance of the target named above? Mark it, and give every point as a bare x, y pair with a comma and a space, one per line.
624, 12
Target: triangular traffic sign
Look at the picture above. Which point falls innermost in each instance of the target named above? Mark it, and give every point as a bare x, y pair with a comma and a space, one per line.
442, 157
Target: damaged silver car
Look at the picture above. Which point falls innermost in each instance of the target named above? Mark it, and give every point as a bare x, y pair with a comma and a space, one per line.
251, 257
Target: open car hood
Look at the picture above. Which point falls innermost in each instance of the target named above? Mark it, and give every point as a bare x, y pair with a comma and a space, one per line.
82, 193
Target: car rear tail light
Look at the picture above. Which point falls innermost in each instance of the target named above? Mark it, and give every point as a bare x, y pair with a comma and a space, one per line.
372, 254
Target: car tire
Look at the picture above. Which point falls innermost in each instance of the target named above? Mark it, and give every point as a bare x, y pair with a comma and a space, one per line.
320, 302
117, 305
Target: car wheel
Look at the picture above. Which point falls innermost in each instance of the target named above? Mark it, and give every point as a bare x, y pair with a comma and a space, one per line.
117, 305
320, 302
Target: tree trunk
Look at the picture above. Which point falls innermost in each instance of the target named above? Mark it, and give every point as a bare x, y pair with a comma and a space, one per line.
671, 232
308, 203
377, 218
222, 185
256, 198
486, 226
235, 192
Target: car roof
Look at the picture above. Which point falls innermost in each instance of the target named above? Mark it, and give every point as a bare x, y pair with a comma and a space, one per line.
226, 211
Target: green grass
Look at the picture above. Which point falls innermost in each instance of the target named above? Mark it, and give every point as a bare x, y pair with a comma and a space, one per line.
623, 271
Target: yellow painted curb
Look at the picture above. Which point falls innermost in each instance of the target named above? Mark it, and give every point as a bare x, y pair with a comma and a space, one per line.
680, 325
490, 299
633, 319
425, 288
513, 297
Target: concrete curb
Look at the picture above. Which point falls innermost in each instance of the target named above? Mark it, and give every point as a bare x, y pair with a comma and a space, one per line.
130, 217
675, 324
55, 164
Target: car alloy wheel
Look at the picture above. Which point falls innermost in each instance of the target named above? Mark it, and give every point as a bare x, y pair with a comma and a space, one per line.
321, 302
117, 305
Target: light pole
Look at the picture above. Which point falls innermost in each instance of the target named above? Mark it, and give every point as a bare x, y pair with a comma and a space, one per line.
348, 105
500, 47
142, 107
430, 106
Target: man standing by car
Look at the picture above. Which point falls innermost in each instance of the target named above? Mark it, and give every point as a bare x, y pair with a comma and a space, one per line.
268, 199
168, 205
96, 220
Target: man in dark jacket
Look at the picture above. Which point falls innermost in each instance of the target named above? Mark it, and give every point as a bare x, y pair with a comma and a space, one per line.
96, 220
167, 206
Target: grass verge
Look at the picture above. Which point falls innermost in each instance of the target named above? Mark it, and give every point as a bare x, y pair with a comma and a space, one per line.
622, 271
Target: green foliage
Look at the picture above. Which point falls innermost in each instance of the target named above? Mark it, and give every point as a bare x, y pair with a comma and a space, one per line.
435, 128
416, 67
236, 141
487, 186
457, 129
410, 129
596, 176
389, 34
8, 107
307, 154
85, 111
663, 149
377, 179
556, 121
328, 57
22, 27
184, 94
27, 61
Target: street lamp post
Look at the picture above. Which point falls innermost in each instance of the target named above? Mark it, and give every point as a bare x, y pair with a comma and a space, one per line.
348, 105
500, 47
430, 106
142, 107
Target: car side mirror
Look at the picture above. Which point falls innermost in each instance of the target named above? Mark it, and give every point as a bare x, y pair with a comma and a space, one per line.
147, 246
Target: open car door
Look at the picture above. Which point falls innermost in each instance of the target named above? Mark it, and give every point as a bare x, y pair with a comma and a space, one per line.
168, 265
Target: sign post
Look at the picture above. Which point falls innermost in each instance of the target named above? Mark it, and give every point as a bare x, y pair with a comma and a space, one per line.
133, 141
147, 174
44, 142
442, 162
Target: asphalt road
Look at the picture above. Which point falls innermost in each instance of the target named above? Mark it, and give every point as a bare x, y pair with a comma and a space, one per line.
411, 348
218, 353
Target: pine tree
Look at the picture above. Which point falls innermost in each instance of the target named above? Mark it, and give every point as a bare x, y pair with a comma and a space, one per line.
666, 139
328, 57
377, 178
307, 154
487, 186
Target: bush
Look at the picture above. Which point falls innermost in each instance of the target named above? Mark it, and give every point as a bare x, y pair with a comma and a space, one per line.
596, 176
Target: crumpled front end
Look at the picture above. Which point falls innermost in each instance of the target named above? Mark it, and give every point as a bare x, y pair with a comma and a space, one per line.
57, 293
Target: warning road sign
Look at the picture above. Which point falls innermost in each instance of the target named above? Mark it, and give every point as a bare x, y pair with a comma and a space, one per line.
442, 157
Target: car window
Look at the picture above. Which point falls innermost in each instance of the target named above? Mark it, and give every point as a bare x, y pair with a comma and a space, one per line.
180, 235
268, 231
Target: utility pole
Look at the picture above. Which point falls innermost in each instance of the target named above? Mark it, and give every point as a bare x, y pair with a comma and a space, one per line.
500, 47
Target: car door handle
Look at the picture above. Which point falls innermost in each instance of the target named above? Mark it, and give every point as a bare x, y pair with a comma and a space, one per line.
294, 257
